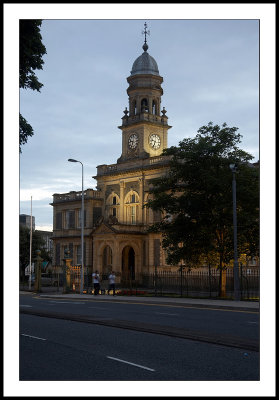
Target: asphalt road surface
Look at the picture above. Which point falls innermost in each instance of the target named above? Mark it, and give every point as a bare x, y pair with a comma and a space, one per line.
64, 339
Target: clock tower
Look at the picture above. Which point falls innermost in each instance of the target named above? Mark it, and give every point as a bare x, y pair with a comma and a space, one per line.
121, 237
144, 126
117, 235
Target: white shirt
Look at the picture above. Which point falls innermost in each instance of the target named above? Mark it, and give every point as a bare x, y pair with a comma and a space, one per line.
95, 277
111, 279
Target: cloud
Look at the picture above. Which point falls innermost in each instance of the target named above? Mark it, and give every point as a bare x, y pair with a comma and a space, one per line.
36, 193
44, 228
210, 73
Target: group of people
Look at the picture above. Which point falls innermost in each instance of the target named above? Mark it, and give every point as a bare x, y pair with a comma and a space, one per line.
96, 282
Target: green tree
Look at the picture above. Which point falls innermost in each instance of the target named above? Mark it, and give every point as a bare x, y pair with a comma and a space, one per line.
24, 247
25, 130
30, 59
195, 198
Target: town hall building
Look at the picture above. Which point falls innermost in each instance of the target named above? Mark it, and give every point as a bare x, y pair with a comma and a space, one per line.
116, 235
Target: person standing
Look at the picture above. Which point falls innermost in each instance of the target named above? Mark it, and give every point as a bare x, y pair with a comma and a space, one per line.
111, 283
96, 282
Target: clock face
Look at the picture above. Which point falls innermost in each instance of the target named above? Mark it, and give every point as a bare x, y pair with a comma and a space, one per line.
155, 141
133, 141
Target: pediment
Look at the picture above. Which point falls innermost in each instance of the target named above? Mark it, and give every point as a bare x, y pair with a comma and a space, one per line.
104, 228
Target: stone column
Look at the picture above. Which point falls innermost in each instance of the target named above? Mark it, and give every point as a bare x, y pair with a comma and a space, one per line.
150, 100
141, 199
121, 210
104, 189
151, 253
138, 105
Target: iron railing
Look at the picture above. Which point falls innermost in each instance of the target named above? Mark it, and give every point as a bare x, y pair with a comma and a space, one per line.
185, 283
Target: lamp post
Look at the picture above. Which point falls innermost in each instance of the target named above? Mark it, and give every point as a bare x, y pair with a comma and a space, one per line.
30, 257
233, 168
82, 224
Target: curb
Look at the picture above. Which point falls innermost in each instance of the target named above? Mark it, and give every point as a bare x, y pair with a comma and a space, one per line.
189, 303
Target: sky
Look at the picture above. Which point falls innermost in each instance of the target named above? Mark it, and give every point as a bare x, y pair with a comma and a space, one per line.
210, 70
208, 56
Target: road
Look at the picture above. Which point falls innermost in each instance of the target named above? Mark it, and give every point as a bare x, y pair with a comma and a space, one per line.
101, 339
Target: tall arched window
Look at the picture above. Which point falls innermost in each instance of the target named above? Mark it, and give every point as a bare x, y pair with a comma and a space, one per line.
131, 203
112, 205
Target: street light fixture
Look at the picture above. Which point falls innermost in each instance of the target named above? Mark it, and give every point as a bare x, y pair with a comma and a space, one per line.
233, 168
82, 224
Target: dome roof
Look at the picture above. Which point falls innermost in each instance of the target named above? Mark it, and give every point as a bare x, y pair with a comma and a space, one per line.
145, 64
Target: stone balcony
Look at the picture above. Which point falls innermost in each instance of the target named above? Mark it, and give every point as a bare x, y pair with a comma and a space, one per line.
76, 196
144, 117
131, 165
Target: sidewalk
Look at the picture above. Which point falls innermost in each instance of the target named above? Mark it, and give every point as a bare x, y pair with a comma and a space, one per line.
186, 302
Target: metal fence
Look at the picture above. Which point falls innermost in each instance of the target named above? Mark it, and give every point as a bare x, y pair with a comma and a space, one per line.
185, 283
193, 283
49, 282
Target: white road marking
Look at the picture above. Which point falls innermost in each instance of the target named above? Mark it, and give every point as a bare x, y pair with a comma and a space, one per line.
24, 305
66, 302
165, 313
127, 362
33, 337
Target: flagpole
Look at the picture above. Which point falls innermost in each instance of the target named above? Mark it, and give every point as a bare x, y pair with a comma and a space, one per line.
30, 259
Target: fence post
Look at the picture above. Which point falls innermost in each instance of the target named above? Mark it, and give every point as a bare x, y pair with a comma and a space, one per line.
181, 278
85, 279
187, 277
58, 278
67, 271
209, 276
181, 281
241, 280
155, 279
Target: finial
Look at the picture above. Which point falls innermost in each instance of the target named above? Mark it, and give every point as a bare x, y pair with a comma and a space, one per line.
145, 32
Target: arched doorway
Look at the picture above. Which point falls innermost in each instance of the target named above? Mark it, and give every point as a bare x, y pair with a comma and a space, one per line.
128, 263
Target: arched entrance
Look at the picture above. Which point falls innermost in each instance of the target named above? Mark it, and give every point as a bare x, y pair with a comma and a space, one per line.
128, 263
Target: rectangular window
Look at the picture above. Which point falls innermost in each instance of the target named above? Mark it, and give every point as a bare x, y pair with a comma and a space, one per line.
133, 214
97, 213
79, 218
70, 219
133, 198
58, 223
114, 200
114, 212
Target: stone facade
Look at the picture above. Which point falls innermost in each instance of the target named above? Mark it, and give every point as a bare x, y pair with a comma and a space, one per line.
67, 225
116, 233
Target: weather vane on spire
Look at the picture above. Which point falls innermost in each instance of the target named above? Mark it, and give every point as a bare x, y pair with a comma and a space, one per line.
145, 32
